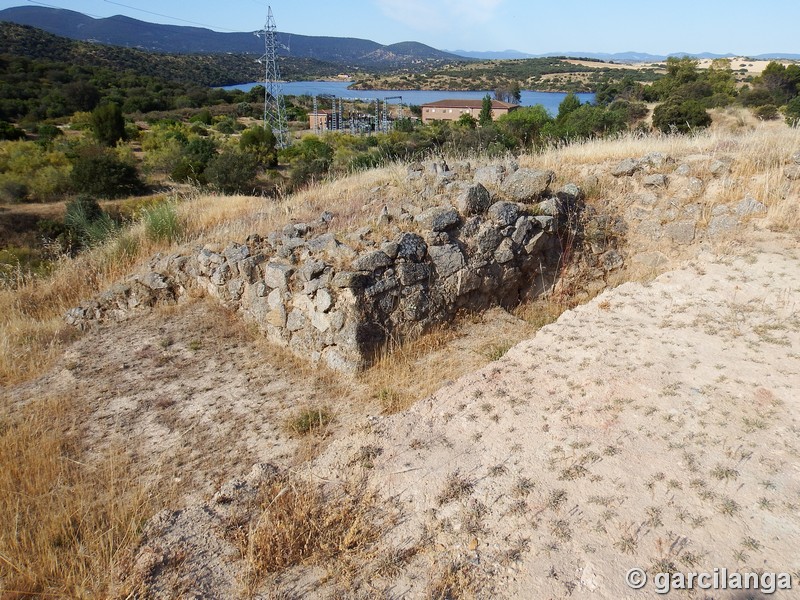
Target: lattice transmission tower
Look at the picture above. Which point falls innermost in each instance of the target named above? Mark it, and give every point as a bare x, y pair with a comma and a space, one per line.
274, 106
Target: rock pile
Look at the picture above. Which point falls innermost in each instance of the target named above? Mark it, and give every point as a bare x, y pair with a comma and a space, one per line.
337, 303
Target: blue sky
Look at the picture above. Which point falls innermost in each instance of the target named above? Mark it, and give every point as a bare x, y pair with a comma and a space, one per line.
529, 26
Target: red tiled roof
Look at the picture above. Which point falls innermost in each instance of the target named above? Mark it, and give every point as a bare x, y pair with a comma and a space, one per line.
466, 104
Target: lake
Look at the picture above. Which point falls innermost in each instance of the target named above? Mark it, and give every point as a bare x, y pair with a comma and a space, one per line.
550, 100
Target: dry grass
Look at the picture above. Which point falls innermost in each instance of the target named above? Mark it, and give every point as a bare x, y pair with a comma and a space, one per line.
301, 523
66, 518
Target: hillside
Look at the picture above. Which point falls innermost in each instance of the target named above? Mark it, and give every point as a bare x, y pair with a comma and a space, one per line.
642, 413
211, 70
347, 53
542, 74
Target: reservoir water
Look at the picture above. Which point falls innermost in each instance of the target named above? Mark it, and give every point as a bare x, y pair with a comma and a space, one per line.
550, 100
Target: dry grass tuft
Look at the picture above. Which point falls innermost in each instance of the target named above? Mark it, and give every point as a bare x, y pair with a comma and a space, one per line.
309, 420
396, 378
66, 519
302, 523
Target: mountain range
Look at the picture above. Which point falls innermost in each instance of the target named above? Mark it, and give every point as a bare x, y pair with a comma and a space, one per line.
124, 31
349, 53
617, 57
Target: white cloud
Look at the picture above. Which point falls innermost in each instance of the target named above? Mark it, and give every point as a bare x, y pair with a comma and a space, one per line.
437, 15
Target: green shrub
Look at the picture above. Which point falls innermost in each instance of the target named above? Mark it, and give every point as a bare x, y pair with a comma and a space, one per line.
30, 171
9, 132
161, 222
102, 173
232, 171
86, 223
768, 112
260, 142
682, 117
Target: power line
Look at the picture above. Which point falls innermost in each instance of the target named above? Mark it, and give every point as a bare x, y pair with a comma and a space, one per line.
62, 8
149, 12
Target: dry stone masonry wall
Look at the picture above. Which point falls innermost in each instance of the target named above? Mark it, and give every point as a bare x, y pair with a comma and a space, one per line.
492, 239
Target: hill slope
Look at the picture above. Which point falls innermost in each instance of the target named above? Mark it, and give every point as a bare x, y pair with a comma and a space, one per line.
177, 39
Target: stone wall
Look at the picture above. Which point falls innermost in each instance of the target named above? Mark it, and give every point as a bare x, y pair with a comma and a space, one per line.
337, 299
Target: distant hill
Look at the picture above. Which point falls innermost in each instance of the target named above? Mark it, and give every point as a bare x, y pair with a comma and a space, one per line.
210, 70
177, 39
618, 57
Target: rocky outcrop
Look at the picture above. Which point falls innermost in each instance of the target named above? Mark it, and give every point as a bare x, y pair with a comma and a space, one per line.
308, 289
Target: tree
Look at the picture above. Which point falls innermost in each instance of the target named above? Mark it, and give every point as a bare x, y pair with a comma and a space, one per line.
260, 142
680, 116
108, 124
568, 104
793, 112
467, 120
485, 117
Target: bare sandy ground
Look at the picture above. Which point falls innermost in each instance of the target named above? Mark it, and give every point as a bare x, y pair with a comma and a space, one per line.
654, 427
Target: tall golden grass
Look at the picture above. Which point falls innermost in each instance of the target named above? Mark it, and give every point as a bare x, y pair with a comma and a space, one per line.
66, 518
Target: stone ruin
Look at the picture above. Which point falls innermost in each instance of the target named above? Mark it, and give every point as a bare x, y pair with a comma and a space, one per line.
496, 241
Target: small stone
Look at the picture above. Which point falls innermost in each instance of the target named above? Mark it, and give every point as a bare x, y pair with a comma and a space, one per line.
491, 175
321, 322
550, 207
488, 239
571, 194
410, 273
236, 252
348, 279
326, 241
656, 160
411, 247
276, 275
275, 298
154, 281
750, 206
446, 259
504, 252
295, 321
323, 301
657, 180
474, 200
505, 213
680, 232
792, 172
527, 184
718, 168
261, 289
683, 170
391, 249
611, 260
372, 261
536, 243
721, 224
626, 168
311, 269
439, 218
